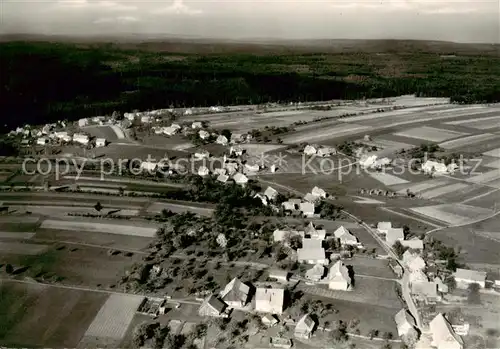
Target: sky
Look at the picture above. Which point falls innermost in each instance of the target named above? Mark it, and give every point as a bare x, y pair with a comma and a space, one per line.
458, 20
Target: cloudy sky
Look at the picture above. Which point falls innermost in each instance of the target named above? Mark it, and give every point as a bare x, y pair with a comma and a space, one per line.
457, 20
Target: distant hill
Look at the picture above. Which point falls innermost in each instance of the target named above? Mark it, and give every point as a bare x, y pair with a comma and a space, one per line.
163, 43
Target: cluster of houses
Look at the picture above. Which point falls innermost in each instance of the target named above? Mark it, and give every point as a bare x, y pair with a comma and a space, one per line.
432, 167
269, 302
441, 334
373, 162
54, 134
322, 151
313, 253
307, 205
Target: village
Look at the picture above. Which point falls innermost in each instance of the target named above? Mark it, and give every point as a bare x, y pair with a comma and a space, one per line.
221, 228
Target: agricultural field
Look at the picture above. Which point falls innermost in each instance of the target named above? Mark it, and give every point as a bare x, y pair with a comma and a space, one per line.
127, 228
112, 321
158, 207
324, 133
15, 235
485, 177
423, 186
453, 213
480, 123
387, 179
175, 142
52, 316
18, 248
110, 133
430, 134
467, 141
437, 192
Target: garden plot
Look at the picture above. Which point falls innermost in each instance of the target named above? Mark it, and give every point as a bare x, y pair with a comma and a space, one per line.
485, 177
430, 134
387, 179
419, 187
114, 317
83, 226
467, 141
387, 144
16, 235
259, 149
484, 123
493, 164
158, 207
454, 109
453, 213
434, 193
21, 248
324, 133
494, 153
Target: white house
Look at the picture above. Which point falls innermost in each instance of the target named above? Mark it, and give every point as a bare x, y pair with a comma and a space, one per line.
310, 150
222, 140
252, 168
269, 300
129, 116
316, 191
201, 155
414, 244
203, 171
196, 124
434, 167
326, 151
83, 122
338, 277
279, 275
305, 327
262, 198
345, 237
394, 234
235, 294
425, 290
465, 277
383, 227
413, 261
405, 323
311, 198
269, 320
237, 151
271, 193
318, 234
170, 130
188, 112
42, 141
417, 276
100, 142
203, 134
240, 178
316, 273
146, 119
312, 252
367, 161
81, 138
443, 336
307, 209
223, 178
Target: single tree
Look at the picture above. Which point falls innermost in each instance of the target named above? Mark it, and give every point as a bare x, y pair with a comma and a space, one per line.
98, 207
474, 297
9, 269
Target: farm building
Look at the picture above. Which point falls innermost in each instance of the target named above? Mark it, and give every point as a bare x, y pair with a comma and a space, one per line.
203, 171
310, 198
316, 273
290, 205
414, 244
280, 342
305, 327
252, 168
312, 252
235, 294
417, 277
313, 233
443, 336
262, 198
203, 134
318, 192
100, 142
269, 300
223, 178
236, 151
188, 112
413, 261
240, 178
269, 320
345, 237
465, 277
278, 274
404, 322
380, 163
202, 155
63, 135
81, 138
326, 151
170, 130
307, 209
441, 286
383, 227
83, 122
271, 193
426, 291
42, 141
394, 234
222, 140
434, 167
310, 150
338, 277
212, 306
367, 161
196, 124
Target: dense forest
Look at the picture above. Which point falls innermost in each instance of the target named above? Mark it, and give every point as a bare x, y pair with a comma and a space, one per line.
48, 81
